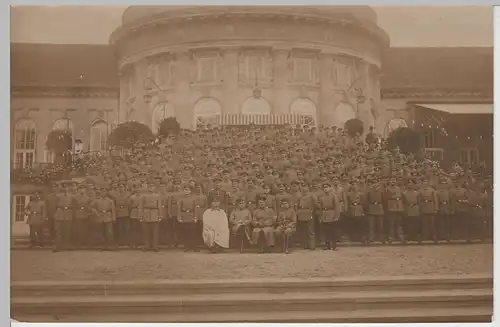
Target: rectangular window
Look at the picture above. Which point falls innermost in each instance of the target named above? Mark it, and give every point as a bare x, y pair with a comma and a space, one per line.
20, 207
343, 74
207, 69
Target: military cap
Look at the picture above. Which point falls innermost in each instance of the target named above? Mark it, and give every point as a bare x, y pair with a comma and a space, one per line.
217, 179
327, 184
80, 186
295, 183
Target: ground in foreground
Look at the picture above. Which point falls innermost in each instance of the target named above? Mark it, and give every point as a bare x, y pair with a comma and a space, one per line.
456, 259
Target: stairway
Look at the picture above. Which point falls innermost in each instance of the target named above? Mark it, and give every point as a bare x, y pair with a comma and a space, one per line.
381, 300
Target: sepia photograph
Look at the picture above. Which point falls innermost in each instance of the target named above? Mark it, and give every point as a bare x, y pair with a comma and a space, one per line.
251, 164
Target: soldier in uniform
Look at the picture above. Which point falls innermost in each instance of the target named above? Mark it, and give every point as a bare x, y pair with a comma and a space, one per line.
282, 194
187, 219
340, 191
234, 194
63, 220
51, 205
218, 192
121, 197
135, 231
37, 215
251, 195
150, 212
104, 209
264, 220
173, 210
239, 222
329, 206
429, 206
286, 224
444, 218
306, 206
477, 219
201, 204
355, 212
411, 201
375, 211
81, 221
394, 207
269, 198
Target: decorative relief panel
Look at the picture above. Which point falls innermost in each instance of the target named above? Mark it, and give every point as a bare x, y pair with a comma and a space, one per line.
208, 67
304, 69
255, 65
343, 74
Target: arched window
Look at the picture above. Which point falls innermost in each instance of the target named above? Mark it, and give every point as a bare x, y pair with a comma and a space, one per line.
25, 143
306, 108
343, 112
99, 136
256, 106
161, 111
394, 124
206, 112
63, 124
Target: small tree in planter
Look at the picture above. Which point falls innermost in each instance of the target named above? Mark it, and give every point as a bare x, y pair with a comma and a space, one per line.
60, 143
354, 127
127, 135
169, 126
406, 139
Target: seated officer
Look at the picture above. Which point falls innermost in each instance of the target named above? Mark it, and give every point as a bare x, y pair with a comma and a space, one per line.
239, 222
263, 223
286, 223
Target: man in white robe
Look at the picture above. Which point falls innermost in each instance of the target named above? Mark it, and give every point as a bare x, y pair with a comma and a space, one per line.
215, 227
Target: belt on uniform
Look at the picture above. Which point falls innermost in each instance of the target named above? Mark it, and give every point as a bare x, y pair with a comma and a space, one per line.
375, 202
426, 201
354, 203
198, 206
444, 202
105, 211
397, 199
328, 209
82, 208
185, 210
122, 207
151, 208
64, 208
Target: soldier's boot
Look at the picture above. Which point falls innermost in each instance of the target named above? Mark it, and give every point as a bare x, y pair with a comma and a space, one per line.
287, 241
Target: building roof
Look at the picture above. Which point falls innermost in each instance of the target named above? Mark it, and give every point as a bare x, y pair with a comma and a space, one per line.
63, 65
457, 68
462, 68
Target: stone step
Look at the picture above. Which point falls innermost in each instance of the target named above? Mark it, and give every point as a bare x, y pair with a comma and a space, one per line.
146, 304
427, 315
263, 287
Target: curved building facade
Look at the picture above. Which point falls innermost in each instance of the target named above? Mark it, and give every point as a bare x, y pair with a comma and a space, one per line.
198, 63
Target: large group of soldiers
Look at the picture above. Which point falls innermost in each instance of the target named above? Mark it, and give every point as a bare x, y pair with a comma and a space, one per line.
275, 183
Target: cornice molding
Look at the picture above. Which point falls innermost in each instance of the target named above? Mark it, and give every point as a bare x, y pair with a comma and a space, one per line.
342, 21
64, 92
415, 93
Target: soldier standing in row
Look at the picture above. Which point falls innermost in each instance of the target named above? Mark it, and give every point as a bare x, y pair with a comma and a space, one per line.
63, 220
375, 212
81, 220
150, 212
444, 219
37, 216
394, 215
460, 205
217, 192
135, 231
412, 226
104, 209
251, 195
355, 212
121, 198
173, 210
428, 210
305, 218
187, 219
329, 206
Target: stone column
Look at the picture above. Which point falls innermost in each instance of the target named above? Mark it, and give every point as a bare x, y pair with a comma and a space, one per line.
326, 95
280, 80
180, 99
230, 76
